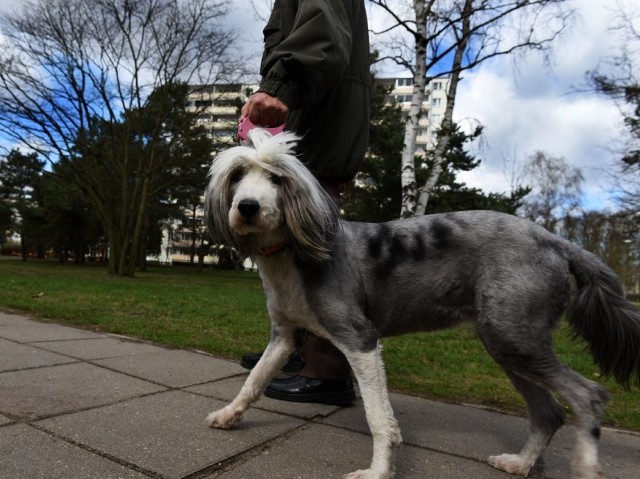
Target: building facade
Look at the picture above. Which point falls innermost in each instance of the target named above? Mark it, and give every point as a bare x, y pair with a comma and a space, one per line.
433, 106
218, 108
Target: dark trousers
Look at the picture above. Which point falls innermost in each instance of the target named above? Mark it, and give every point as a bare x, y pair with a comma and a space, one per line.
322, 360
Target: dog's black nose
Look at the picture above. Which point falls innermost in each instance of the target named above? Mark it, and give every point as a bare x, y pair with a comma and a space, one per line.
248, 208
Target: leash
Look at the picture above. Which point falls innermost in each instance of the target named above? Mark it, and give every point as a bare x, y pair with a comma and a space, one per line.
247, 125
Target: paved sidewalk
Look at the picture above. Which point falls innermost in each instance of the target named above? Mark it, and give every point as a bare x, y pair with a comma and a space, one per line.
77, 404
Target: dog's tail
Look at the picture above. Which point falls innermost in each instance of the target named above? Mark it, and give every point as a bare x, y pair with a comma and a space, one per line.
602, 316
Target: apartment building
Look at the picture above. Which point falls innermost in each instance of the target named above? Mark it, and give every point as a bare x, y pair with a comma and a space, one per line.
219, 107
433, 106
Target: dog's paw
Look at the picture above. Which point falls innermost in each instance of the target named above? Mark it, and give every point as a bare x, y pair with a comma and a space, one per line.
510, 463
224, 418
368, 474
593, 471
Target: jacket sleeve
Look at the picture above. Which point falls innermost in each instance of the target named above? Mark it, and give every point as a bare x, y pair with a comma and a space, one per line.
300, 65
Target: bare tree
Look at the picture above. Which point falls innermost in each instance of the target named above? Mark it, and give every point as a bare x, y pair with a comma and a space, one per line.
618, 77
449, 37
76, 78
556, 190
261, 9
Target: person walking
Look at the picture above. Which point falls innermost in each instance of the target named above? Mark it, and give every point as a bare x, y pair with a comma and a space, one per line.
315, 78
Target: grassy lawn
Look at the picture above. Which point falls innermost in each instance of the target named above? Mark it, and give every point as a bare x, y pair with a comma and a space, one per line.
223, 313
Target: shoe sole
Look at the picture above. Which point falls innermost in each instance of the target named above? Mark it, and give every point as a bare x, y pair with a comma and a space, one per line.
336, 398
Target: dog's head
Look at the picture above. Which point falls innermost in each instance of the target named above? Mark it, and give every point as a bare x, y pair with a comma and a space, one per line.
260, 195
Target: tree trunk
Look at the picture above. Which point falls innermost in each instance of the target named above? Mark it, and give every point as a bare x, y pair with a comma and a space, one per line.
134, 246
408, 167
23, 247
194, 236
447, 120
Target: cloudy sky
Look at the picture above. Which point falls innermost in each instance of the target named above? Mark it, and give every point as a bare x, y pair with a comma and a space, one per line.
538, 107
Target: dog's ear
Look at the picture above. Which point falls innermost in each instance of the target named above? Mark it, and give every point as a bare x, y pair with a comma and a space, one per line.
218, 197
312, 218
216, 210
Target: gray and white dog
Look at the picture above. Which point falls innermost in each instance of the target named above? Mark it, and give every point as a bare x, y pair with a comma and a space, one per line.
353, 283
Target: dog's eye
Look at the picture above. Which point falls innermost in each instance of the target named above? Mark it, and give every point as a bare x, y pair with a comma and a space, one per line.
236, 176
275, 179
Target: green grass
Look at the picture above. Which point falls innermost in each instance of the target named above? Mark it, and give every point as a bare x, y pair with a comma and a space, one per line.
224, 313
217, 311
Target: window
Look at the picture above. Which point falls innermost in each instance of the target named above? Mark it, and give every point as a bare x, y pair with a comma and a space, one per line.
402, 98
404, 82
436, 102
436, 85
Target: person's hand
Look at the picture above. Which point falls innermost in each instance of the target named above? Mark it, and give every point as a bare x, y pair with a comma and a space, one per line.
265, 110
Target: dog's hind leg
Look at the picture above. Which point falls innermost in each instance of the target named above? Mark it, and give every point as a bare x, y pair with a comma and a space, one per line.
535, 370
546, 416
369, 371
588, 401
274, 357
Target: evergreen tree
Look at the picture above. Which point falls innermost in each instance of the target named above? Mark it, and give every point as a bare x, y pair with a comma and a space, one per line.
19, 175
452, 195
6, 216
377, 194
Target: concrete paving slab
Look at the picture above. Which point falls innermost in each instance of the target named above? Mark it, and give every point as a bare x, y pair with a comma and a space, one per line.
227, 389
99, 348
80, 420
22, 330
476, 433
174, 368
15, 356
165, 433
27, 453
13, 319
322, 452
36, 393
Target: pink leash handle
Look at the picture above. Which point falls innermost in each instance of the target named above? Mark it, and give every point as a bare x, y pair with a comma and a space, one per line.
246, 125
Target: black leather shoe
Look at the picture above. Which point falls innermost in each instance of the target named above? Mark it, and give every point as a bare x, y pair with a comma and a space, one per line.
249, 361
302, 389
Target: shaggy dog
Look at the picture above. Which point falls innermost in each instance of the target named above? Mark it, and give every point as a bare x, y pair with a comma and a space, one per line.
353, 283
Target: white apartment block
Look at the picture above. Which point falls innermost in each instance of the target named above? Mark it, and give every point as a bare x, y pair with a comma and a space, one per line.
219, 108
433, 106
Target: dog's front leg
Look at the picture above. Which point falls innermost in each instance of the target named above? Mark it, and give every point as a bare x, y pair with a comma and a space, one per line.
275, 355
369, 371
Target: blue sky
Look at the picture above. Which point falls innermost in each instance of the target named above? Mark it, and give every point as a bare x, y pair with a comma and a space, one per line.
525, 108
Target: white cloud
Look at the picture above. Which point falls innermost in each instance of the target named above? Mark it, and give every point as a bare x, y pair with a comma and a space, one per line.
547, 109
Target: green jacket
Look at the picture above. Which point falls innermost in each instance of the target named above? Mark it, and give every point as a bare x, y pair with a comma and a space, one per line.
316, 60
